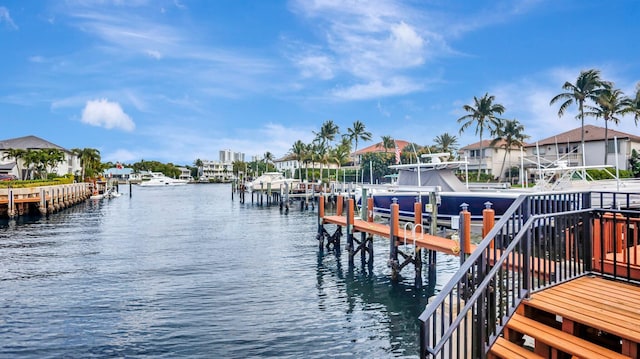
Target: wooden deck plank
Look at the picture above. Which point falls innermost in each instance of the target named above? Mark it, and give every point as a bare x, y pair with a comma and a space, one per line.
607, 318
422, 240
505, 349
595, 305
559, 339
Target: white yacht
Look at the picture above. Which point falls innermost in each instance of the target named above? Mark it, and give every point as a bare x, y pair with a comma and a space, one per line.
276, 179
160, 180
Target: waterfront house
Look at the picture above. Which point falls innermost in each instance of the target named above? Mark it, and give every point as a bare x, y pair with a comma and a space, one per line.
494, 159
9, 165
567, 146
289, 165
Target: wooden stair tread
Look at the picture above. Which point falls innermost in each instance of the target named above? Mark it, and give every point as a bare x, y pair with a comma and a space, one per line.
595, 302
560, 340
505, 349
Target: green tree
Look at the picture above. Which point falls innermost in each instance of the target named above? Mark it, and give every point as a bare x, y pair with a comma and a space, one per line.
356, 133
298, 150
89, 161
51, 157
588, 86
200, 166
17, 154
388, 143
328, 132
483, 114
610, 104
268, 160
446, 143
633, 104
509, 135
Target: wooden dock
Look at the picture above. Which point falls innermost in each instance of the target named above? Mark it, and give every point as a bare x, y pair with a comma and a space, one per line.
42, 200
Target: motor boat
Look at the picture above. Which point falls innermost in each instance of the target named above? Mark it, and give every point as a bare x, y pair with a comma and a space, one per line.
274, 179
160, 180
436, 179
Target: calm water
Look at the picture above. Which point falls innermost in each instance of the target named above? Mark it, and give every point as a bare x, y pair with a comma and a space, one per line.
187, 272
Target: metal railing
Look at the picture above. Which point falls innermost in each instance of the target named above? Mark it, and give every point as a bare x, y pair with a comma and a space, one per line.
542, 240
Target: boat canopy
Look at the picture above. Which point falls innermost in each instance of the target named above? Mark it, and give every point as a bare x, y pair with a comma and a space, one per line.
444, 178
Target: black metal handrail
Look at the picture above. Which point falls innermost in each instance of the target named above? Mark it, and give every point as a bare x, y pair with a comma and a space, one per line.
518, 254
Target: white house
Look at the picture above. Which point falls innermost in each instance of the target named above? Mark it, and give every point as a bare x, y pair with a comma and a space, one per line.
289, 165
494, 159
9, 165
567, 146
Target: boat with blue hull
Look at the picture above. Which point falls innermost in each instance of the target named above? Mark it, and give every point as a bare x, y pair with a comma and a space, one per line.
436, 180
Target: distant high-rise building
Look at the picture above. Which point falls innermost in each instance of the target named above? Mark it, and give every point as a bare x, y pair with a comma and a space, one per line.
227, 156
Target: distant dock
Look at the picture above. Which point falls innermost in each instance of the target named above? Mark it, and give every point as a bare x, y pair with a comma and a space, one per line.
42, 200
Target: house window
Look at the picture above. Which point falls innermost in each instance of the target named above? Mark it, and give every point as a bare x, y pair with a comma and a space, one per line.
611, 146
476, 153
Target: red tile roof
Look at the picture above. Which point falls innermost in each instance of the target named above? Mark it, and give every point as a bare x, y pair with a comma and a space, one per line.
378, 147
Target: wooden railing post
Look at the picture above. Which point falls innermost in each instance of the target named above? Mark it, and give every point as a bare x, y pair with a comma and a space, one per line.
370, 209
488, 221
339, 205
465, 232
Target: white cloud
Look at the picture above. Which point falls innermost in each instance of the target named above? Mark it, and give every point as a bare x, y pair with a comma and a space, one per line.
378, 88
315, 66
103, 113
6, 18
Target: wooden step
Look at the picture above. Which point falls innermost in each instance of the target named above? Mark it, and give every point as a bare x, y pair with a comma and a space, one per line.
505, 349
560, 340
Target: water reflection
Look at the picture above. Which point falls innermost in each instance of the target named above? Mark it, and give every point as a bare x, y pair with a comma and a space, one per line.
365, 288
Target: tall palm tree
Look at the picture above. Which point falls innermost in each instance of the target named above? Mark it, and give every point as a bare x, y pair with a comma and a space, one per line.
510, 135
633, 104
446, 143
200, 166
483, 115
356, 133
17, 154
298, 150
587, 87
340, 155
267, 158
327, 133
610, 103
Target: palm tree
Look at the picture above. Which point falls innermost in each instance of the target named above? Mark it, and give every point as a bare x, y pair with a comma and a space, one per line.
511, 135
17, 154
298, 150
267, 158
387, 143
89, 160
51, 158
483, 114
200, 165
328, 132
633, 105
587, 87
340, 155
446, 143
610, 103
355, 133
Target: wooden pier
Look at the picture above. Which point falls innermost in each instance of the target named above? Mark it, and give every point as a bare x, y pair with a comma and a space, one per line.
42, 200
406, 242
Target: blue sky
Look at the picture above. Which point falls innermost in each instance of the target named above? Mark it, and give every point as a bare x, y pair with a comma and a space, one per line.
176, 80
